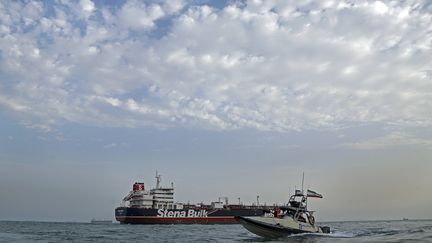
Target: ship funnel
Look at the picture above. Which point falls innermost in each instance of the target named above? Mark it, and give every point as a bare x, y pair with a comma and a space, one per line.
138, 186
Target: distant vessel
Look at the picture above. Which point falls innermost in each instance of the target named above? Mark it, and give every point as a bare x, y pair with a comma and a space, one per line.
98, 221
293, 218
405, 219
157, 206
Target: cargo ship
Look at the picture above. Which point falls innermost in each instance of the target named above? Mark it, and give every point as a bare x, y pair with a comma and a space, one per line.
157, 206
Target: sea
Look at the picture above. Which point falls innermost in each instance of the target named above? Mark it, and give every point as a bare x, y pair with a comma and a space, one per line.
364, 231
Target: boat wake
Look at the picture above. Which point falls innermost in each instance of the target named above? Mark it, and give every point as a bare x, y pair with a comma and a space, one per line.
332, 234
305, 237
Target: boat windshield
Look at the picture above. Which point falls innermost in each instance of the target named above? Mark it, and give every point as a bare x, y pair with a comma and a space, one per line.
297, 201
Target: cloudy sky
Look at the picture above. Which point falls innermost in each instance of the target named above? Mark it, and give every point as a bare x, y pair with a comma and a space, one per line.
225, 98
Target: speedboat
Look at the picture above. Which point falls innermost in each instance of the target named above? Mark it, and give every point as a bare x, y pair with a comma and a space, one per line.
294, 218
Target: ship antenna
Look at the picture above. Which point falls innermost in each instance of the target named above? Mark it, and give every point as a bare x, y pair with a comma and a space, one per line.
303, 184
158, 180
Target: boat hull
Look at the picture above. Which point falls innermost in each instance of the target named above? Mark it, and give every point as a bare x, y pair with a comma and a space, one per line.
275, 227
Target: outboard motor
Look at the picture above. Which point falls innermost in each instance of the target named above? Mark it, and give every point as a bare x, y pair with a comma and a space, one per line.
325, 229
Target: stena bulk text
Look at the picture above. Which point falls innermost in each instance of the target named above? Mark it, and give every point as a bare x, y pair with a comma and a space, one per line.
182, 214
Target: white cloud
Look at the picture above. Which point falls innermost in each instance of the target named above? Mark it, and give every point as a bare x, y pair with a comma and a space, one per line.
262, 64
137, 15
114, 145
87, 5
391, 140
12, 104
380, 7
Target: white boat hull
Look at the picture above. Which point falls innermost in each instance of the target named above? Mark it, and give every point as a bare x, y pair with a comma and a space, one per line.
270, 227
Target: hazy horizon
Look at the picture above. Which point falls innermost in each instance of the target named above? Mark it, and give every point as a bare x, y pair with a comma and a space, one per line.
223, 98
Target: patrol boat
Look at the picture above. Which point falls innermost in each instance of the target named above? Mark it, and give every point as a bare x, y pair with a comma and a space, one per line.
294, 218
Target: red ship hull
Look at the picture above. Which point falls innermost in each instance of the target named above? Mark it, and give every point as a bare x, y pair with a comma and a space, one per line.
126, 215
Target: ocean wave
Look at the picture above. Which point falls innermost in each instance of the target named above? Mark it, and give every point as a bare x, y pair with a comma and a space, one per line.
332, 234
397, 231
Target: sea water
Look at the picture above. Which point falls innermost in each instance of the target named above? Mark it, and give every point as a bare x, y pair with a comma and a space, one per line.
364, 231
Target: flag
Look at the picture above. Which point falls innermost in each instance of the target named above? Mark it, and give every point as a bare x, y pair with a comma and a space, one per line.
311, 193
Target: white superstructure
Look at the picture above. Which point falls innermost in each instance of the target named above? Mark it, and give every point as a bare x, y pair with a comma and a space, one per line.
163, 197
158, 197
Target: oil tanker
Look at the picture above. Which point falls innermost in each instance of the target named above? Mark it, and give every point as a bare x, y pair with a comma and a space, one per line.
157, 206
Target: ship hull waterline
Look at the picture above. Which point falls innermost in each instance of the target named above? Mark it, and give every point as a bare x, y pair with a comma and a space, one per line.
157, 220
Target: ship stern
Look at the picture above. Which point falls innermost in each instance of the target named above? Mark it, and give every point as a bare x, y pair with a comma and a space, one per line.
120, 214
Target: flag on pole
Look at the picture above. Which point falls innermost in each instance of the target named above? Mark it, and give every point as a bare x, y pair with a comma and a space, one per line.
311, 193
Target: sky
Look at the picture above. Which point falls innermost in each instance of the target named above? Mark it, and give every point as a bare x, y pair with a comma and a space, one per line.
223, 98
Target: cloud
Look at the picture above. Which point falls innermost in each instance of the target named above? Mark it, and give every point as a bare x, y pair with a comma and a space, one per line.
136, 15
87, 5
114, 145
391, 140
264, 65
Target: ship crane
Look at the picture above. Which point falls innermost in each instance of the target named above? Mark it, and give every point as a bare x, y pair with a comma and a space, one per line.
226, 200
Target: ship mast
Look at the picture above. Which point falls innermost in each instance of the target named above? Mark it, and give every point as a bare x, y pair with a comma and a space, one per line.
158, 180
303, 184
304, 195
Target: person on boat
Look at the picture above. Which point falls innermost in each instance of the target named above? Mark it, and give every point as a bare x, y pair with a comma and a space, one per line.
290, 213
276, 213
303, 202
